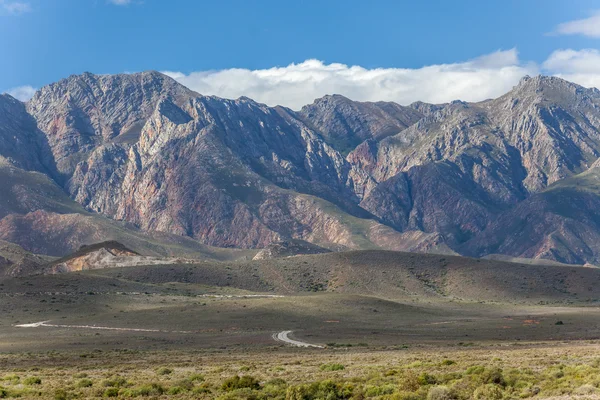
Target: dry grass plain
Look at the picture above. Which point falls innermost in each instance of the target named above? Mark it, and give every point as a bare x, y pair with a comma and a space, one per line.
394, 326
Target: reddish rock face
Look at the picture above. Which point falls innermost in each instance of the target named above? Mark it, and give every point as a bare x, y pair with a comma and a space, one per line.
340, 174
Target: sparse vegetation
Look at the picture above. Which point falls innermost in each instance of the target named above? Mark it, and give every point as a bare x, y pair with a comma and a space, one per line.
164, 371
237, 382
111, 392
214, 358
488, 373
85, 383
331, 367
32, 380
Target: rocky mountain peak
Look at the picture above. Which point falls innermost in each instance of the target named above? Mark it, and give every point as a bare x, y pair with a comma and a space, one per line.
426, 108
551, 89
85, 111
330, 100
344, 123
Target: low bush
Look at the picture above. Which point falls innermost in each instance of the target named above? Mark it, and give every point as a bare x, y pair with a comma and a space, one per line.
494, 376
175, 390
153, 389
320, 390
32, 380
375, 391
440, 393
84, 383
61, 394
116, 382
475, 370
111, 392
237, 382
164, 371
332, 367
195, 378
488, 392
426, 379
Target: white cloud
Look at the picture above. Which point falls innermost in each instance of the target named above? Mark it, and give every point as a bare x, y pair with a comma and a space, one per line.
587, 27
22, 93
14, 7
579, 66
298, 84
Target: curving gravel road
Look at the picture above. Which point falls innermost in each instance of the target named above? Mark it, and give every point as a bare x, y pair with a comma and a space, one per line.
283, 337
280, 337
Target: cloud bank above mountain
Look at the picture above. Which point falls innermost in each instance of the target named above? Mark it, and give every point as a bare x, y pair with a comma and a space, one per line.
298, 84
484, 77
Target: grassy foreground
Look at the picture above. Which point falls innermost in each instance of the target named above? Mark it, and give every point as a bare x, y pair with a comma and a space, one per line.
540, 371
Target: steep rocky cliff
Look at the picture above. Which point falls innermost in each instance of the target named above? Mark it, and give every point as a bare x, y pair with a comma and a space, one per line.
457, 169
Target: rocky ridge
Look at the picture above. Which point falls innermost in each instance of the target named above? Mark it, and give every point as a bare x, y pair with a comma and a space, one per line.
451, 178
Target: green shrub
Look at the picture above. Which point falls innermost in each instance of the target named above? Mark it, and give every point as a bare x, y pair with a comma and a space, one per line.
374, 391
239, 394
61, 394
3, 392
237, 382
84, 383
332, 367
493, 376
277, 382
32, 380
164, 371
426, 379
116, 382
202, 389
195, 378
406, 396
409, 382
320, 390
488, 392
448, 362
175, 390
111, 392
449, 377
274, 389
475, 370
464, 388
153, 389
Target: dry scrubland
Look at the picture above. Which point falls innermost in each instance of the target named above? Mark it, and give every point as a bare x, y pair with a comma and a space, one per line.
540, 371
395, 326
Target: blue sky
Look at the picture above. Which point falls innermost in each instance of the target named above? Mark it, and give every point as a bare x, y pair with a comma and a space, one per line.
42, 41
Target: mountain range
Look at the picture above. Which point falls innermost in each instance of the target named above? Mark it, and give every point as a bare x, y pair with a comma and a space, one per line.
141, 159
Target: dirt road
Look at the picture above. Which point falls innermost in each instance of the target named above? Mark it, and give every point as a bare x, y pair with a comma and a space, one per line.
283, 337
